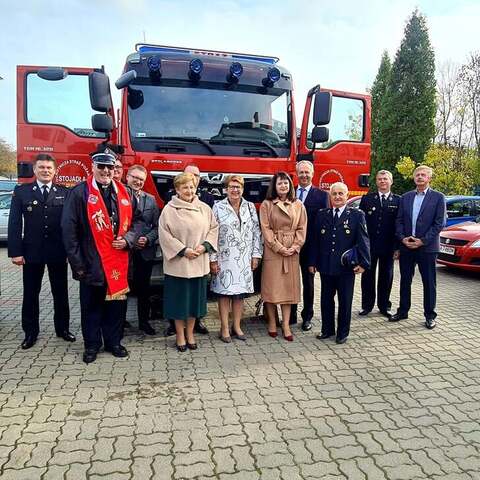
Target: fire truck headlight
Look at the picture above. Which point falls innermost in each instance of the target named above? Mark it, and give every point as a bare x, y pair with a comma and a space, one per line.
195, 69
273, 76
236, 70
155, 66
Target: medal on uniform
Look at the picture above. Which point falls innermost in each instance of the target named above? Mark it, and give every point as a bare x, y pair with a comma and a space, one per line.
322, 230
35, 202
29, 208
373, 209
347, 231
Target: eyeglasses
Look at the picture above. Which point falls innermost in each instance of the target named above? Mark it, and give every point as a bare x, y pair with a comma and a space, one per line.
103, 166
138, 179
234, 187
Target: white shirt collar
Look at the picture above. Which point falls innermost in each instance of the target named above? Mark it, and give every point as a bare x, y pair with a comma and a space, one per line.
307, 189
40, 185
340, 210
386, 194
422, 193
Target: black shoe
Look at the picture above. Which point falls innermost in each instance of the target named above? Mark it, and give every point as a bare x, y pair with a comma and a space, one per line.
67, 336
169, 331
89, 355
363, 312
29, 342
386, 313
430, 323
117, 351
181, 348
147, 328
306, 325
200, 328
341, 340
323, 336
397, 317
192, 346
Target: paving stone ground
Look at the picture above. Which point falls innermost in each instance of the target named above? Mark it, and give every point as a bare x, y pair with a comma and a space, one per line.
395, 402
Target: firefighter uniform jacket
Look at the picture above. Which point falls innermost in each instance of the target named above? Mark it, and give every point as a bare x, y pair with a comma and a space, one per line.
42, 233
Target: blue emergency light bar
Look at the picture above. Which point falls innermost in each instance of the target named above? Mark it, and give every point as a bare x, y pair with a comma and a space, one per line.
150, 48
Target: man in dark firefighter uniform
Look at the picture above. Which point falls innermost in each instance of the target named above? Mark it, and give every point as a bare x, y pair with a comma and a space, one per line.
38, 208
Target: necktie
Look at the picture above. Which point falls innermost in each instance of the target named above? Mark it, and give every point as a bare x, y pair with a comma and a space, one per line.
302, 191
335, 217
45, 193
383, 200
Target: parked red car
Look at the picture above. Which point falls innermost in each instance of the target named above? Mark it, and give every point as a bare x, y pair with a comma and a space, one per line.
460, 246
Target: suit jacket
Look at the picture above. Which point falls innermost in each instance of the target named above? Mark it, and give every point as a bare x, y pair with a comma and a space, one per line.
42, 232
148, 208
431, 219
331, 240
315, 200
381, 222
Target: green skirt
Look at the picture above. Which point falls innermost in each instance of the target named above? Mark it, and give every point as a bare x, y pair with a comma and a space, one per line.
184, 297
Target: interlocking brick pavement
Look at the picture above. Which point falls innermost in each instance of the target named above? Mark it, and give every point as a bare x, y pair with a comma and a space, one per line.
395, 402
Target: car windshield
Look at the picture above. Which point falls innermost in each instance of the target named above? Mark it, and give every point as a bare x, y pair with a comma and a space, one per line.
210, 117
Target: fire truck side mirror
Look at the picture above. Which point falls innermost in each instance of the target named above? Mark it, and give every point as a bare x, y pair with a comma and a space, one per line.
320, 134
99, 86
126, 79
322, 108
102, 122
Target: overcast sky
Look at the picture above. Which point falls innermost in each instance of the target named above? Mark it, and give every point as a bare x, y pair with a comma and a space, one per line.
337, 44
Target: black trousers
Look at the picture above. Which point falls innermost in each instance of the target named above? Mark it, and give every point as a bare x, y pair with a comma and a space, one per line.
32, 284
308, 288
384, 282
341, 285
102, 320
140, 285
427, 266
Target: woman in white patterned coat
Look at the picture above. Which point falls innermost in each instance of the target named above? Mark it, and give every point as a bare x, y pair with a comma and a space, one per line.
239, 252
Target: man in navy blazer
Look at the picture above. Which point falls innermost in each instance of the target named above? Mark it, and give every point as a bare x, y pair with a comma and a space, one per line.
420, 220
313, 199
337, 231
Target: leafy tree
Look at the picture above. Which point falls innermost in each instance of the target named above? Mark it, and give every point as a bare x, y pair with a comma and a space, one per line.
8, 159
409, 109
378, 92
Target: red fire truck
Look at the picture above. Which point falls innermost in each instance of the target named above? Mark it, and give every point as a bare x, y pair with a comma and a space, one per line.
225, 112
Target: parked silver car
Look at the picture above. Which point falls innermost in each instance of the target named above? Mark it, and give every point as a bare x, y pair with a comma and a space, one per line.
5, 201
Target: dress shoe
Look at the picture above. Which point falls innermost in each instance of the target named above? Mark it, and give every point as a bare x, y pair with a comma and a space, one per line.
200, 328
397, 317
306, 325
181, 348
288, 338
323, 336
225, 339
340, 340
67, 336
192, 346
430, 323
147, 328
117, 351
386, 313
89, 355
363, 312
273, 334
29, 342
235, 335
169, 331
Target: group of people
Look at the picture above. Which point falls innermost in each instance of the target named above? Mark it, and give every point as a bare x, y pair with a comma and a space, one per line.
109, 233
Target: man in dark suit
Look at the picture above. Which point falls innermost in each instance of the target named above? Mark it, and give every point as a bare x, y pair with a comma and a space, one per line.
143, 252
38, 208
339, 251
381, 209
313, 199
209, 199
420, 220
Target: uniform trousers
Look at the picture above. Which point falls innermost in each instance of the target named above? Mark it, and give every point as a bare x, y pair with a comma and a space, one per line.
308, 288
102, 320
384, 282
142, 272
32, 284
427, 266
342, 285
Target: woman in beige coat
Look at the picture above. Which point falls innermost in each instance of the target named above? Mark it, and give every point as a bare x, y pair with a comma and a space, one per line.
283, 220
187, 232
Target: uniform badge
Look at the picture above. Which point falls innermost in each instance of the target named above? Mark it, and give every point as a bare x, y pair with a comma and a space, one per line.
93, 199
347, 231
35, 202
29, 208
125, 202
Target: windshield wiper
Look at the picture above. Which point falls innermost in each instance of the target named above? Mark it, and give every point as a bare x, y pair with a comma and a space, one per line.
238, 141
187, 140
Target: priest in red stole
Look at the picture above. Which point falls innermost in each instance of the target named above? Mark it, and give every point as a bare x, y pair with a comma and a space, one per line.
98, 228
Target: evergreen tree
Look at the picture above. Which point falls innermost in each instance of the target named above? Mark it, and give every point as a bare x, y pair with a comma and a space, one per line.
378, 92
409, 107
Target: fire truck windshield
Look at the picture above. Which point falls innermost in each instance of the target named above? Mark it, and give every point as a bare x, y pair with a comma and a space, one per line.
210, 120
